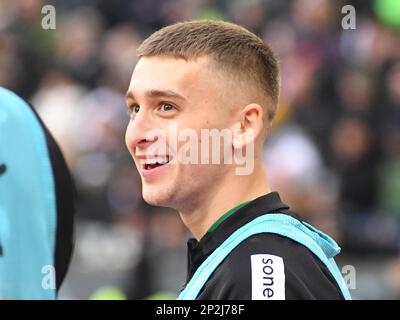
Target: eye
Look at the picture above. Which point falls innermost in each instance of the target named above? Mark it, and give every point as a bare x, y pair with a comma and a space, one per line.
166, 107
136, 108
133, 109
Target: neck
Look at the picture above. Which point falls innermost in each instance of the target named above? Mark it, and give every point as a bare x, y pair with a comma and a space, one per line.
232, 191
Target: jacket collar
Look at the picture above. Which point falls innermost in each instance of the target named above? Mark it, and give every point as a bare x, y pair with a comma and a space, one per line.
198, 251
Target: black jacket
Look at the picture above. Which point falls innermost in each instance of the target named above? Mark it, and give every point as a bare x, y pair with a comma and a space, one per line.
305, 276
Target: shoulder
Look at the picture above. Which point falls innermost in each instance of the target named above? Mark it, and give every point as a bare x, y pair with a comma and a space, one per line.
270, 266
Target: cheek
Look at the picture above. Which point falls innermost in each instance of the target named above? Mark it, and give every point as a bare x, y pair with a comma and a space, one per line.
128, 137
198, 174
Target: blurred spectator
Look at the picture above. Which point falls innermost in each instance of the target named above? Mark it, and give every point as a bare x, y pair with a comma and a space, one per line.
354, 158
78, 44
390, 136
160, 267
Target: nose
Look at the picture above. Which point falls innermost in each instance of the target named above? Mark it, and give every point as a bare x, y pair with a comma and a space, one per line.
138, 133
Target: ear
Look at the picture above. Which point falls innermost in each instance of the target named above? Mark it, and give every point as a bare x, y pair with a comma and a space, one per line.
249, 125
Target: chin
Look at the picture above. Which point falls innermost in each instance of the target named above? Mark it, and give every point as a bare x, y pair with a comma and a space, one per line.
157, 197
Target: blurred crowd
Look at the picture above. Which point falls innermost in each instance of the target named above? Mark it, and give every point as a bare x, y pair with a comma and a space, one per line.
334, 154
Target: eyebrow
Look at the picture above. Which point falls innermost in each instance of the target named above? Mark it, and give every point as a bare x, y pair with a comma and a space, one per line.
157, 94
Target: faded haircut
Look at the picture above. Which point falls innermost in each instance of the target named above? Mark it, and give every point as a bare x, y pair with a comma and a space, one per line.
232, 47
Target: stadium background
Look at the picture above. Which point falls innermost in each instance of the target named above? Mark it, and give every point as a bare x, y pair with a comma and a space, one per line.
334, 154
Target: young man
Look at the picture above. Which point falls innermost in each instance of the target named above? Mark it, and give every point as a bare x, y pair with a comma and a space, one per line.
194, 80
36, 205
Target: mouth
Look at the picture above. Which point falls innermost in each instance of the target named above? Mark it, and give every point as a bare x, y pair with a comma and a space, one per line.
154, 163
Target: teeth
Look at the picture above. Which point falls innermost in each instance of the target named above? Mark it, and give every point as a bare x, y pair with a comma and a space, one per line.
155, 160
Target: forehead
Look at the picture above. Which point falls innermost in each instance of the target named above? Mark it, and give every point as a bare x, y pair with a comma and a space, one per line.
171, 73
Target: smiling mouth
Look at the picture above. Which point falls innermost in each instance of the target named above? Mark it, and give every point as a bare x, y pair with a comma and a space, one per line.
150, 164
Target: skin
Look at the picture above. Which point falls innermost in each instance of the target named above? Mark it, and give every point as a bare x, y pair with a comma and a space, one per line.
208, 98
